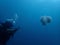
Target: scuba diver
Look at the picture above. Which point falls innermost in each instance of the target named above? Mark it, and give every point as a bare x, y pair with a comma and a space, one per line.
7, 30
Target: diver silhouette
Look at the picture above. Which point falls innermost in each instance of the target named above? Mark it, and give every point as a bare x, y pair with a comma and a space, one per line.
7, 30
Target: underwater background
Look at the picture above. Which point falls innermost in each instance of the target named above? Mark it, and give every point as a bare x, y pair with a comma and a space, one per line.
26, 14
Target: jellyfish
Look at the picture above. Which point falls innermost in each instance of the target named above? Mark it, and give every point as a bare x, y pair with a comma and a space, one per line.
45, 20
49, 18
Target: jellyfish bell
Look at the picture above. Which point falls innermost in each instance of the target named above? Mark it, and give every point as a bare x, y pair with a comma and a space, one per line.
49, 18
45, 20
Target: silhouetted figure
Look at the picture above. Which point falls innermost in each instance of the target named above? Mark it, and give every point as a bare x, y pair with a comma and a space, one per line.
6, 31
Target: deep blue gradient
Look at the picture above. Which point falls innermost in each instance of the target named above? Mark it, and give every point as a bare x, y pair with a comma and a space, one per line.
29, 12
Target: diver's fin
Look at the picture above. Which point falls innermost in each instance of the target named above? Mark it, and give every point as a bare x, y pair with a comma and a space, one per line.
14, 31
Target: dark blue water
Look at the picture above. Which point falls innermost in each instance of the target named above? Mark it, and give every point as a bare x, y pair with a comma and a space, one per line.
29, 12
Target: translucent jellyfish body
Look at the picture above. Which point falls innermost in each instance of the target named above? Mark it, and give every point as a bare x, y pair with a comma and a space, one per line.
45, 20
